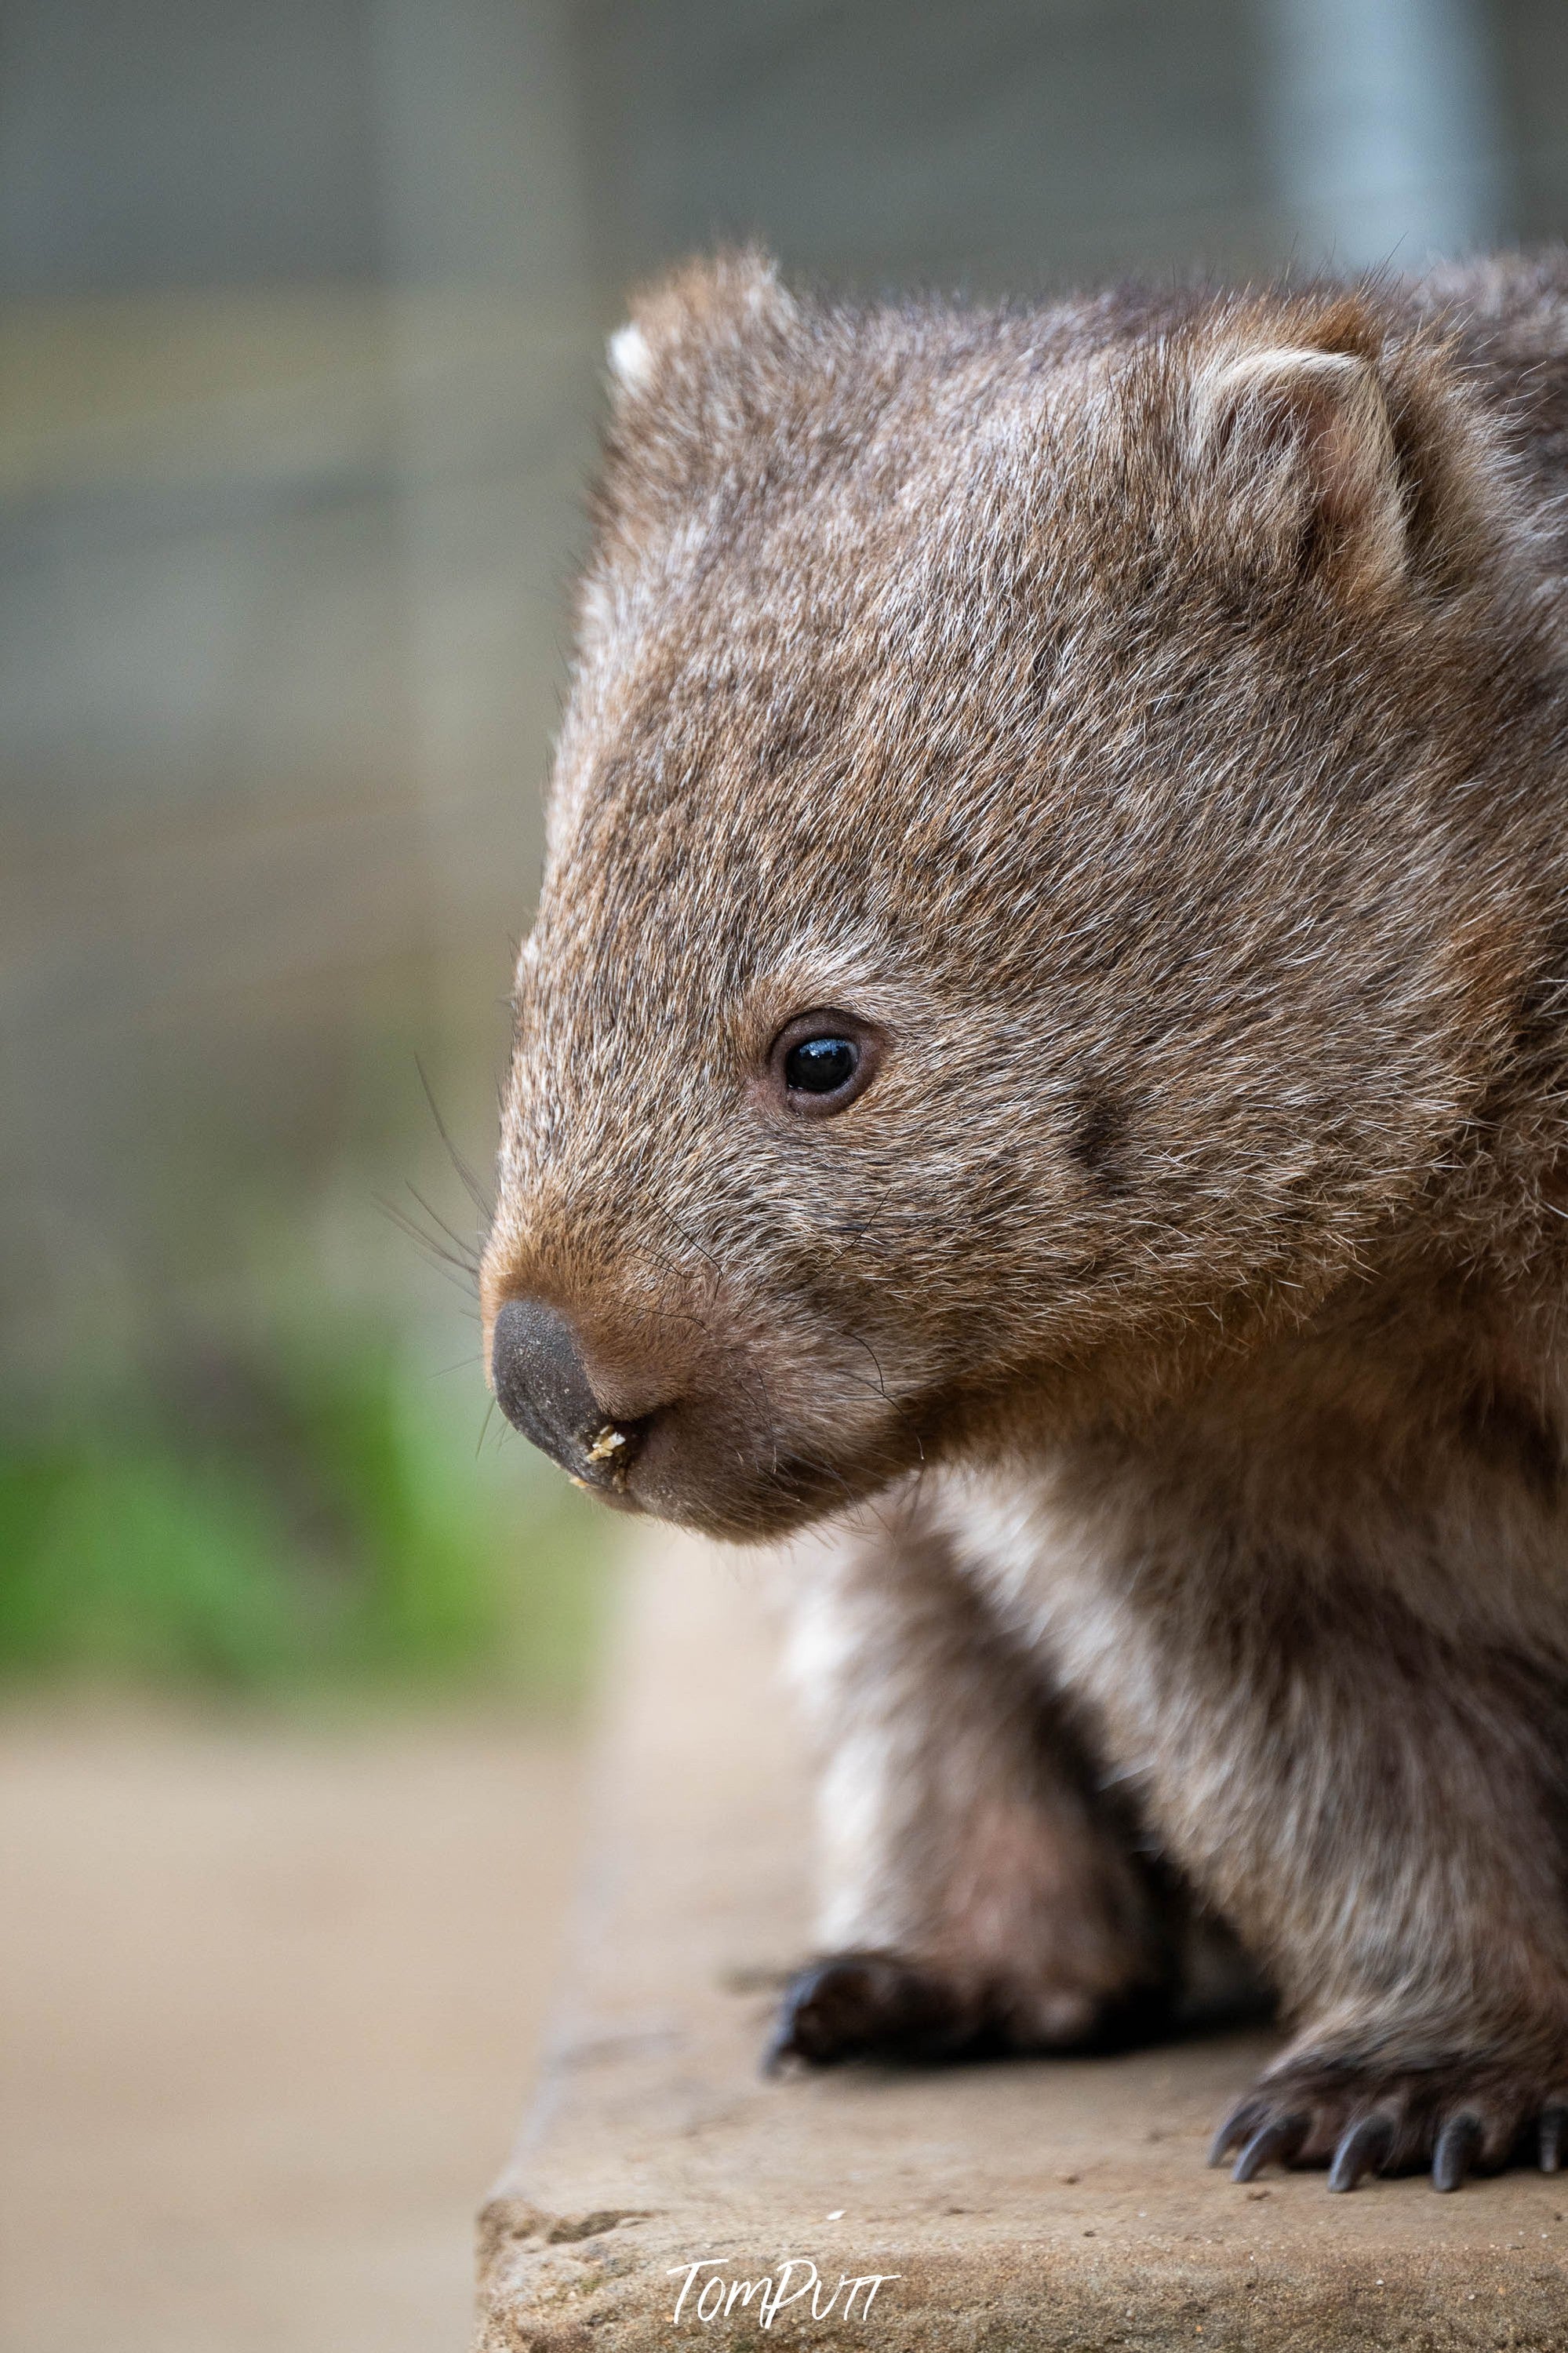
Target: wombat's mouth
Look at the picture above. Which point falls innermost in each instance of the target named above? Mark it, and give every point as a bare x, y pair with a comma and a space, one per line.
603, 1465
705, 1464
610, 1454
720, 1451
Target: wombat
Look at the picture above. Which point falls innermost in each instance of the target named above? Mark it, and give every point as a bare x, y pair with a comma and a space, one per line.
1048, 1022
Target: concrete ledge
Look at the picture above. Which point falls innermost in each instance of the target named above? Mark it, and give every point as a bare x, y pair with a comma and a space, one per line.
1022, 2206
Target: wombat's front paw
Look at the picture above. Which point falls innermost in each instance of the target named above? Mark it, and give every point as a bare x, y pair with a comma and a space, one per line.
868, 2005
1467, 2115
877, 2006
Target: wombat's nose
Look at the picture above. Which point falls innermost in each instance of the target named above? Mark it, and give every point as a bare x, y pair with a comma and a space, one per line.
542, 1387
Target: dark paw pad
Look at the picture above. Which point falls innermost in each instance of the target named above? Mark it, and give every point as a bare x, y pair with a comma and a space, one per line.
867, 2005
1464, 2118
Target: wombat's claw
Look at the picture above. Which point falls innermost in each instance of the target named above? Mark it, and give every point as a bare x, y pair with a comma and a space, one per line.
1364, 2150
1392, 2124
864, 2005
1261, 2134
1279, 2138
1458, 2144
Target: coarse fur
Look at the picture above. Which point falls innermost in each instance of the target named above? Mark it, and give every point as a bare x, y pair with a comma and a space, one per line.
1141, 722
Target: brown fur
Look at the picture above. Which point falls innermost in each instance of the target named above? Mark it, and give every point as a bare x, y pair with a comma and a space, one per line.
1146, 717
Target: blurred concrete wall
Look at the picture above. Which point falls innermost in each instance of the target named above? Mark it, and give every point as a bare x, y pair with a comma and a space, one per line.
989, 142
180, 143
297, 374
993, 145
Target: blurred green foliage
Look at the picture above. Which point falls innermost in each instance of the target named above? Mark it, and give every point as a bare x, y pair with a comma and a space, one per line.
289, 1516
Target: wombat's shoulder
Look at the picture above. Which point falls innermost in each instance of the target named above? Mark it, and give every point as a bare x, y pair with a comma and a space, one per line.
1508, 316
1511, 309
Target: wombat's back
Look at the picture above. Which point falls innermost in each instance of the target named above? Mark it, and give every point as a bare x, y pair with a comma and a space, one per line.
1510, 315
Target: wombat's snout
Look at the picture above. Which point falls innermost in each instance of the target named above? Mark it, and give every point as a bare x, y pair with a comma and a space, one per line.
541, 1386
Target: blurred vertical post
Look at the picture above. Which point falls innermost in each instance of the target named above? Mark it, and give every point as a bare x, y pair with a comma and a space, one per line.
1383, 122
493, 348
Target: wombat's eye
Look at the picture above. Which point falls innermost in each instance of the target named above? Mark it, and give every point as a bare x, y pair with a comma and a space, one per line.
824, 1061
820, 1066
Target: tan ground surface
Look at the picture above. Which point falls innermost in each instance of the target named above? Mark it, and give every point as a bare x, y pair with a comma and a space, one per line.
1047, 2206
269, 1999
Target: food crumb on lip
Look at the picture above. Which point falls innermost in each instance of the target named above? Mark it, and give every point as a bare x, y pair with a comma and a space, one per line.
608, 1441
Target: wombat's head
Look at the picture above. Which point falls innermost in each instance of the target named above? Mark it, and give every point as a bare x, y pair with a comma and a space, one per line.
1012, 900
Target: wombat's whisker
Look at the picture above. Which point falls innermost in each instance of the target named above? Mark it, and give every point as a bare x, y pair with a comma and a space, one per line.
879, 1389
468, 1252
754, 1371
453, 1266
466, 1176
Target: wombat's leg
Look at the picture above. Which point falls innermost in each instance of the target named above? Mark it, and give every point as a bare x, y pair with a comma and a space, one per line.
1404, 1863
979, 1890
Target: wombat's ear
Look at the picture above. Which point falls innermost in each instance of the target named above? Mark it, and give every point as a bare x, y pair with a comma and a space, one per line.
706, 316
1299, 446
